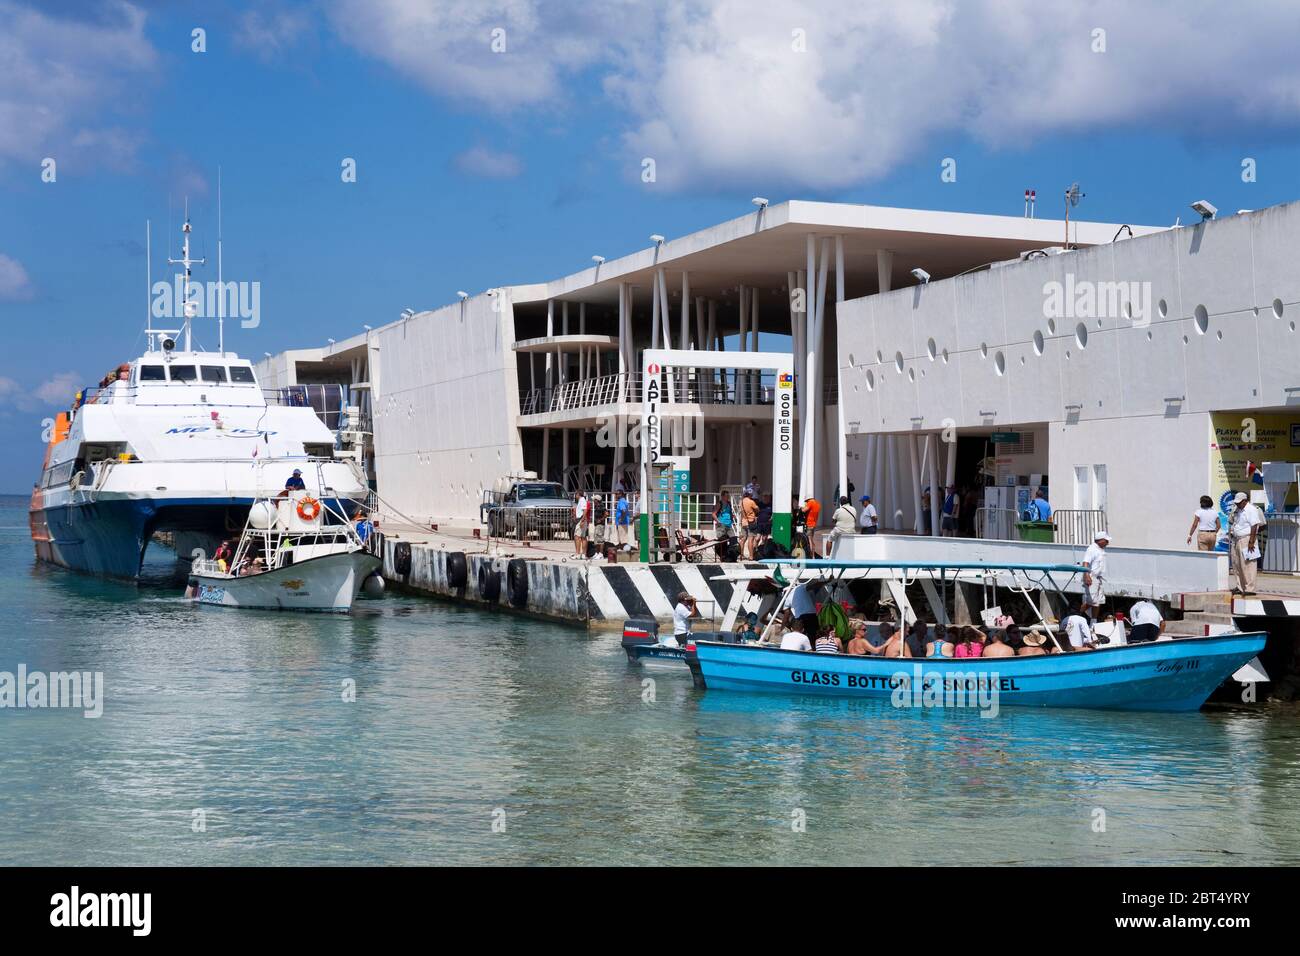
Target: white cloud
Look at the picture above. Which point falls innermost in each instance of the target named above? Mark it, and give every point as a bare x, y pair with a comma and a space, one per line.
271, 31
446, 47
488, 163
715, 91
15, 284
58, 390
60, 78
55, 392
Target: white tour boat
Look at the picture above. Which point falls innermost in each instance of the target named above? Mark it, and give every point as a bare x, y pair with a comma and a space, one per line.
297, 553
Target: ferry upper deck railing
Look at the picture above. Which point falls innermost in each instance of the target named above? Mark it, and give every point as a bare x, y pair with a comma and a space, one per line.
701, 387
327, 401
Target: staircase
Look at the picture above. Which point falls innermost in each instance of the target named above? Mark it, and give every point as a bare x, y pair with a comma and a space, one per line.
1204, 613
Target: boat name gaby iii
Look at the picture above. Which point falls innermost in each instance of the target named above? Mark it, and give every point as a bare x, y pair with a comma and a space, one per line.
296, 553
1163, 675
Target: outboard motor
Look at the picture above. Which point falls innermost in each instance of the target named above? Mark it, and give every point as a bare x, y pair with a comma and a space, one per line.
638, 632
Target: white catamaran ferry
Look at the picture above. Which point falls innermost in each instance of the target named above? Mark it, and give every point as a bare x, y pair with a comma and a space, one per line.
180, 440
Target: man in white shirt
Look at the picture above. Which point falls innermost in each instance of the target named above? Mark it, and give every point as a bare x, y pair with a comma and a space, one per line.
1243, 527
1077, 629
803, 605
795, 640
685, 610
868, 520
1094, 574
1148, 624
843, 521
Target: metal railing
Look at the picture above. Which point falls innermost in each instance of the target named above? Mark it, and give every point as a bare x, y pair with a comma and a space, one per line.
700, 387
1078, 526
1280, 544
997, 524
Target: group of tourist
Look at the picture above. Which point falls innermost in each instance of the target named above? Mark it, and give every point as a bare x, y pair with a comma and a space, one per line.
245, 565
590, 520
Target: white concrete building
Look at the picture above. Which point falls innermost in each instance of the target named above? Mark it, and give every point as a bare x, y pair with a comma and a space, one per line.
1139, 374
1108, 405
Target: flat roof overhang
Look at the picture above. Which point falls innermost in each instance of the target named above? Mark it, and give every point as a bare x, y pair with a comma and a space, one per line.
761, 247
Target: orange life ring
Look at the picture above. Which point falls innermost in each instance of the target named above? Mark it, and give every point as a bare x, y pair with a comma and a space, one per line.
308, 509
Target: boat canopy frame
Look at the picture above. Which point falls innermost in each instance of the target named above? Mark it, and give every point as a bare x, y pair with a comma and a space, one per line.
1036, 576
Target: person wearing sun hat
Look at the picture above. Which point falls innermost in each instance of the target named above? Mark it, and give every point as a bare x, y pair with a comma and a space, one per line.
1094, 574
1033, 642
1243, 527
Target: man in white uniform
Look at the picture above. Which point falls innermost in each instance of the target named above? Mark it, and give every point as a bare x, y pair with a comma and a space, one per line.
1243, 526
1078, 629
1148, 624
1094, 575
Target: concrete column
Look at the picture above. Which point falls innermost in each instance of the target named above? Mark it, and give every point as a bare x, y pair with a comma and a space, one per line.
711, 339
808, 365
550, 330
546, 454
916, 484
895, 499
841, 448
936, 498
654, 312
879, 492
622, 330
818, 470
884, 269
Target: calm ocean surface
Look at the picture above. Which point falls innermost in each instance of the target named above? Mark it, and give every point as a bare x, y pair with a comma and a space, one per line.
462, 718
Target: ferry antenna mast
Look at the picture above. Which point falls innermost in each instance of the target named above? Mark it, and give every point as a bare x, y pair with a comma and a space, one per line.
189, 307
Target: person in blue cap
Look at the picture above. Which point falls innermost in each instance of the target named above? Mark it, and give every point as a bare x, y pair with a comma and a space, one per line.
868, 520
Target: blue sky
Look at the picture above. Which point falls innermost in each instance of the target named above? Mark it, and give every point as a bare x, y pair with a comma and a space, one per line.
477, 169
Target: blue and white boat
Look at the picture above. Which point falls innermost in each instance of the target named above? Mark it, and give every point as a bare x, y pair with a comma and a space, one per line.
181, 440
1164, 675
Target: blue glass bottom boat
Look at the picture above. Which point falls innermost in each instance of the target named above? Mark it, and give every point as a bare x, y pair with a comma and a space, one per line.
1176, 675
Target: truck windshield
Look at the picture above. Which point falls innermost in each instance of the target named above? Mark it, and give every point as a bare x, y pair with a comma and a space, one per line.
533, 492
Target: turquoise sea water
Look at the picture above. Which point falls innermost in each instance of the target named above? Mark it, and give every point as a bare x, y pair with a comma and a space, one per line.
464, 719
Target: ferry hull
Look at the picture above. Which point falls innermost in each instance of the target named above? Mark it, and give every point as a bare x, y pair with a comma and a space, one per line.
328, 583
1176, 675
108, 537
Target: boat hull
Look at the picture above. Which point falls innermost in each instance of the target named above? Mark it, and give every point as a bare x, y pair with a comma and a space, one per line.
328, 583
108, 537
1176, 675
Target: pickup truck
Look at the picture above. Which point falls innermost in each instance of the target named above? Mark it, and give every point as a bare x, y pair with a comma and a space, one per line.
529, 509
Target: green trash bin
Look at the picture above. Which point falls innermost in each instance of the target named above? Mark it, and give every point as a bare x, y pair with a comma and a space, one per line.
1036, 531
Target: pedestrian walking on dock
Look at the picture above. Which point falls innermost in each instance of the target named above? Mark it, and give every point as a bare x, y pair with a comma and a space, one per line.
1244, 524
1205, 525
622, 518
581, 524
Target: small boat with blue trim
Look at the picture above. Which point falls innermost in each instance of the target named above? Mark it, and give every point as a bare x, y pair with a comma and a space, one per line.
1164, 675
